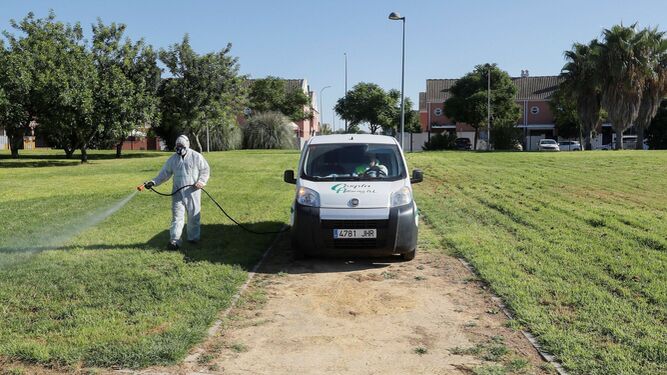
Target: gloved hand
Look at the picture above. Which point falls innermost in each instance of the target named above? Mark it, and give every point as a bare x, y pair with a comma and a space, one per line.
149, 184
199, 185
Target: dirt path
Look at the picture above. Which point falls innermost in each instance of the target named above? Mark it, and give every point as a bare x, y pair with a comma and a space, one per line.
341, 316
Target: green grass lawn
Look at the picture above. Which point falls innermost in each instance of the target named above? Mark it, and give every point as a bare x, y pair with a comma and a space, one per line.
109, 295
575, 243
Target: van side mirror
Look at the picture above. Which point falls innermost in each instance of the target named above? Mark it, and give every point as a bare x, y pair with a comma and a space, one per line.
417, 176
288, 176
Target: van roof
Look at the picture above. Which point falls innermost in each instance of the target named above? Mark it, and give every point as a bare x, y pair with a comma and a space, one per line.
352, 138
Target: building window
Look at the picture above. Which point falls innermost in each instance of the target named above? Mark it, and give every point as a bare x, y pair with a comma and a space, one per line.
437, 111
534, 109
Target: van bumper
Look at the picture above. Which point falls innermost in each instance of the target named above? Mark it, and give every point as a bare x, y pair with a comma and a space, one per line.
313, 236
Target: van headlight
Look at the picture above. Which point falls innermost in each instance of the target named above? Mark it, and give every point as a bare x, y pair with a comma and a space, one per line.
401, 197
307, 197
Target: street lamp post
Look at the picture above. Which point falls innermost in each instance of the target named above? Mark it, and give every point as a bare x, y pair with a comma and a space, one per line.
322, 108
395, 16
345, 95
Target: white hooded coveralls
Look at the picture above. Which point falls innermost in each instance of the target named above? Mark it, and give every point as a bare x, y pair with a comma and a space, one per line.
187, 170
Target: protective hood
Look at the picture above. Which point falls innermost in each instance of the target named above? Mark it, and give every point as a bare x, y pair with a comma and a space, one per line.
183, 139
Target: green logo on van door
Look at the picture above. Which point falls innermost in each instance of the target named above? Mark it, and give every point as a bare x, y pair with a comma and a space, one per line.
353, 188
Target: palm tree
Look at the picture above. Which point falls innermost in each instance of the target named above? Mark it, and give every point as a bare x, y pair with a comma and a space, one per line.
655, 87
623, 65
582, 84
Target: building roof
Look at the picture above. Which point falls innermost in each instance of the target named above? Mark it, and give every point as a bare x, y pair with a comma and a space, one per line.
422, 101
536, 88
529, 88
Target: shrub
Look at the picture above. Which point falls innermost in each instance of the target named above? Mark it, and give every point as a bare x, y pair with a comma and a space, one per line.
442, 141
505, 137
269, 130
226, 137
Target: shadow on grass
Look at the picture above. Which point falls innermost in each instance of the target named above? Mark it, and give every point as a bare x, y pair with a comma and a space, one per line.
38, 164
220, 244
230, 244
93, 155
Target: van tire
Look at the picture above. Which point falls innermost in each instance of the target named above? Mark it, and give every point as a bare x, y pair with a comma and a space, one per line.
410, 255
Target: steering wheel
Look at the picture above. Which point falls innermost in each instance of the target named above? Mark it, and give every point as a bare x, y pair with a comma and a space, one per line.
374, 171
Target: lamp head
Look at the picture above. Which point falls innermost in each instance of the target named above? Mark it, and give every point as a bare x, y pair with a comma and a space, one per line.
395, 16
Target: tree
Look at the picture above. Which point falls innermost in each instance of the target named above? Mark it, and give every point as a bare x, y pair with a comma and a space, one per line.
126, 92
367, 103
623, 65
272, 94
565, 113
325, 129
16, 94
468, 101
656, 134
411, 124
63, 78
580, 90
204, 91
655, 86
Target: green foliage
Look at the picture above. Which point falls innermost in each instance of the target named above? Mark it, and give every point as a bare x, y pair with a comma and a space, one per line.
411, 124
469, 99
269, 130
506, 137
272, 94
657, 132
368, 103
564, 108
126, 92
325, 129
204, 91
16, 95
581, 264
441, 141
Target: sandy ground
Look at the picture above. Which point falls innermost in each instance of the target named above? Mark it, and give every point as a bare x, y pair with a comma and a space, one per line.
360, 316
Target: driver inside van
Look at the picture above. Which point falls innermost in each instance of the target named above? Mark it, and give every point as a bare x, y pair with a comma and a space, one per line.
373, 169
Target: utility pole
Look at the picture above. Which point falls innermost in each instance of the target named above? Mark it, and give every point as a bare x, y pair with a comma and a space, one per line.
322, 108
394, 16
345, 96
488, 109
208, 141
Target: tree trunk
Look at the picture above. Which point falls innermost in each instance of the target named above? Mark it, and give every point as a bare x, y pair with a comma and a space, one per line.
84, 154
474, 144
199, 148
640, 138
619, 139
15, 135
15, 144
587, 140
119, 148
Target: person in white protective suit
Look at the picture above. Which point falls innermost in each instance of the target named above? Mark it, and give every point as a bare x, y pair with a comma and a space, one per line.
188, 168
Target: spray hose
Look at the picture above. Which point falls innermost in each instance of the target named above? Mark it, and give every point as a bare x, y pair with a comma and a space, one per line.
217, 204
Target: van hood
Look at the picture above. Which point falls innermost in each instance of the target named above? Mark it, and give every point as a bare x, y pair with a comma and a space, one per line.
339, 194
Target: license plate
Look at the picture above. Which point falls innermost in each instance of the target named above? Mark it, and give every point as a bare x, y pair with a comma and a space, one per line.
354, 233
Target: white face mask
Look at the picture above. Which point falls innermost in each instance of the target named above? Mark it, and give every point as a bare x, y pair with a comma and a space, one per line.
181, 150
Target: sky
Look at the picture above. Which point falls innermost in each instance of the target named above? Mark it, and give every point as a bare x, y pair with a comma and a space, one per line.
308, 39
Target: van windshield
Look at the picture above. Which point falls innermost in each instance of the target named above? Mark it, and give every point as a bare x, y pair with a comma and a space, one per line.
351, 162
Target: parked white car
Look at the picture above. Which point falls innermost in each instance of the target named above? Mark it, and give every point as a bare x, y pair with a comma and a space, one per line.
548, 145
569, 146
629, 143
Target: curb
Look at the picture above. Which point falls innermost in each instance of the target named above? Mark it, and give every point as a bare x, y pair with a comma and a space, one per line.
529, 336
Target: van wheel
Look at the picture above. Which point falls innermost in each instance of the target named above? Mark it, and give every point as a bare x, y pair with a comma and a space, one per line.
410, 255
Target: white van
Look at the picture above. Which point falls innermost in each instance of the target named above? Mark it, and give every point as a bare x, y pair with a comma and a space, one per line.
353, 197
